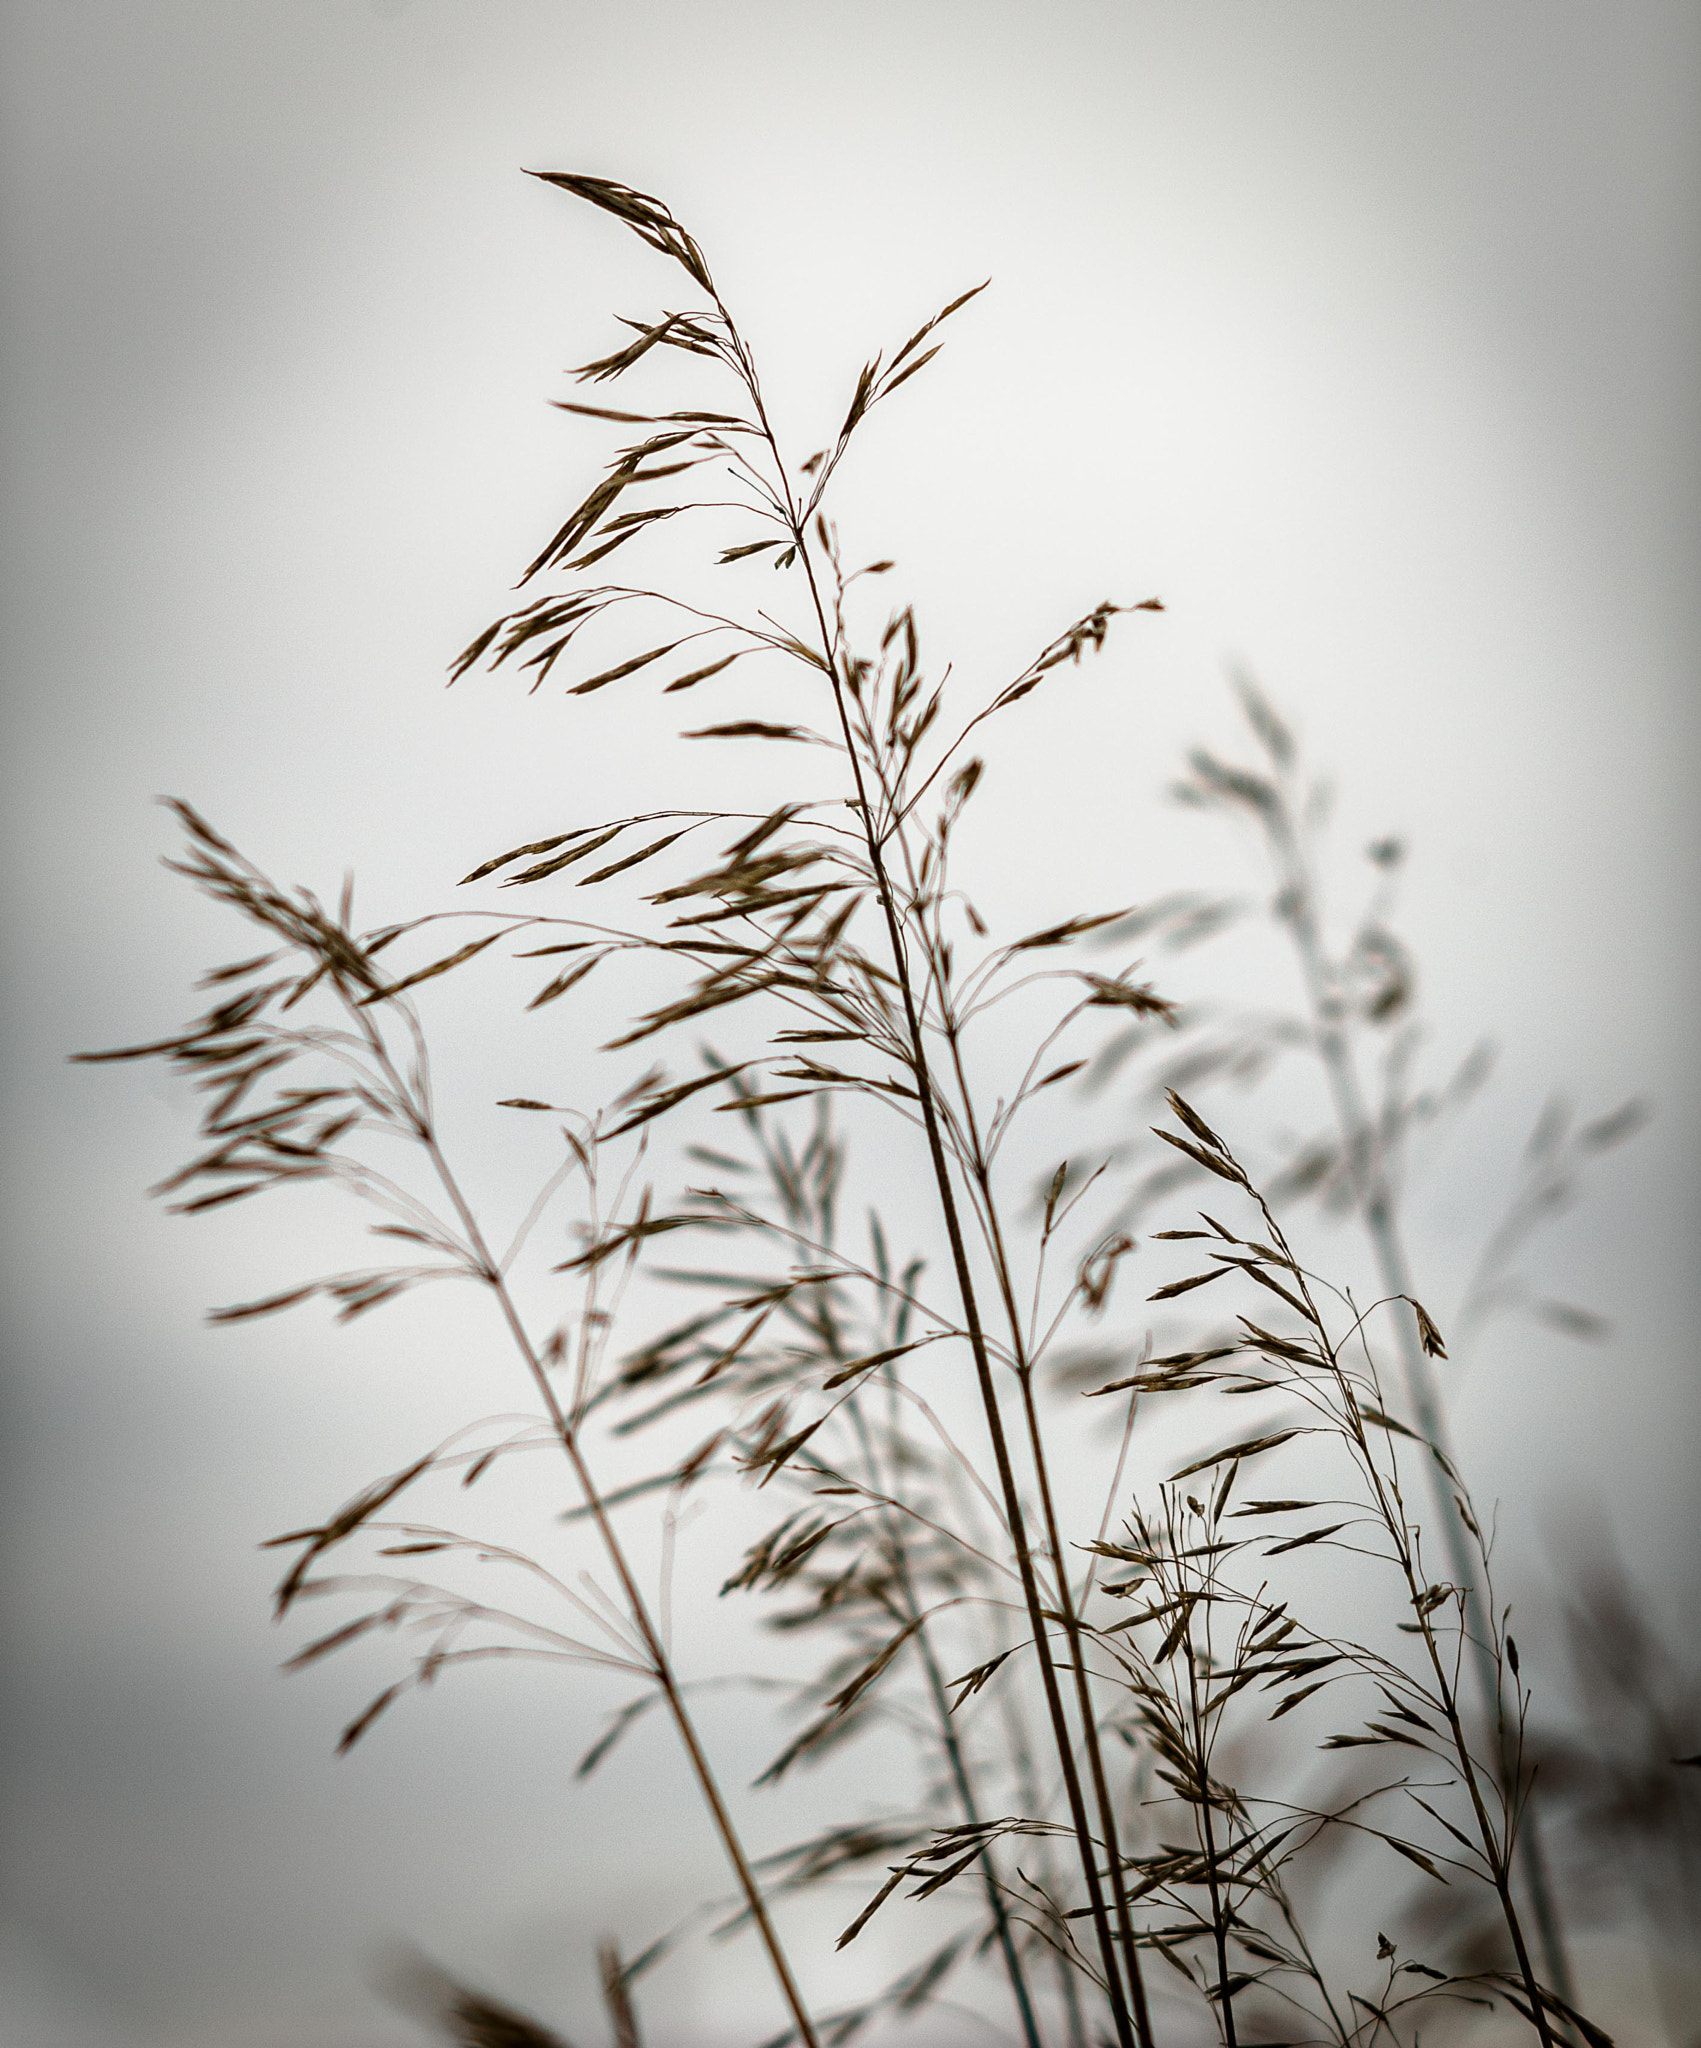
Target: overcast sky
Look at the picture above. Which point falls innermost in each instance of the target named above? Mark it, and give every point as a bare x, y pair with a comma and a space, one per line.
1367, 336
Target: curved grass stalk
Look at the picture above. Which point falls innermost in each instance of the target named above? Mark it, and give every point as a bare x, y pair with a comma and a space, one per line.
230, 1050
1350, 1421
1364, 1155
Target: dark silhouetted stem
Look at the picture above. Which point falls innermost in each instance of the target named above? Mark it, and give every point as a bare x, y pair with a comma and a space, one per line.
953, 1748
1202, 1786
1054, 1542
1393, 1517
637, 1606
971, 1813
917, 1052
988, 1391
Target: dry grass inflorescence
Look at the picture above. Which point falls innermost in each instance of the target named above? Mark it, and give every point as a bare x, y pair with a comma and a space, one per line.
1153, 1706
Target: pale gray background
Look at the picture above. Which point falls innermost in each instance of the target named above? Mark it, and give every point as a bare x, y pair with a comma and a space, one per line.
1364, 334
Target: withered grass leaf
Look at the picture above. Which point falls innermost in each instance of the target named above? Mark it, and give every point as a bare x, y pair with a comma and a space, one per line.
774, 1458
1254, 1270
748, 1102
471, 653
1070, 928
921, 362
944, 313
848, 1695
236, 970
617, 1994
543, 869
569, 978
455, 959
1280, 1347
868, 1912
701, 675
1428, 1334
750, 729
1188, 1115
858, 1366
973, 1681
626, 1237
671, 329
269, 1305
1224, 1169
342, 1524
1300, 1542
647, 217
751, 547
622, 530
618, 1724
605, 412
1140, 997
632, 860
622, 668
350, 1632
1249, 1449
1415, 1855
669, 1098
1388, 1422
364, 1720
713, 996
1175, 1287
1294, 1699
